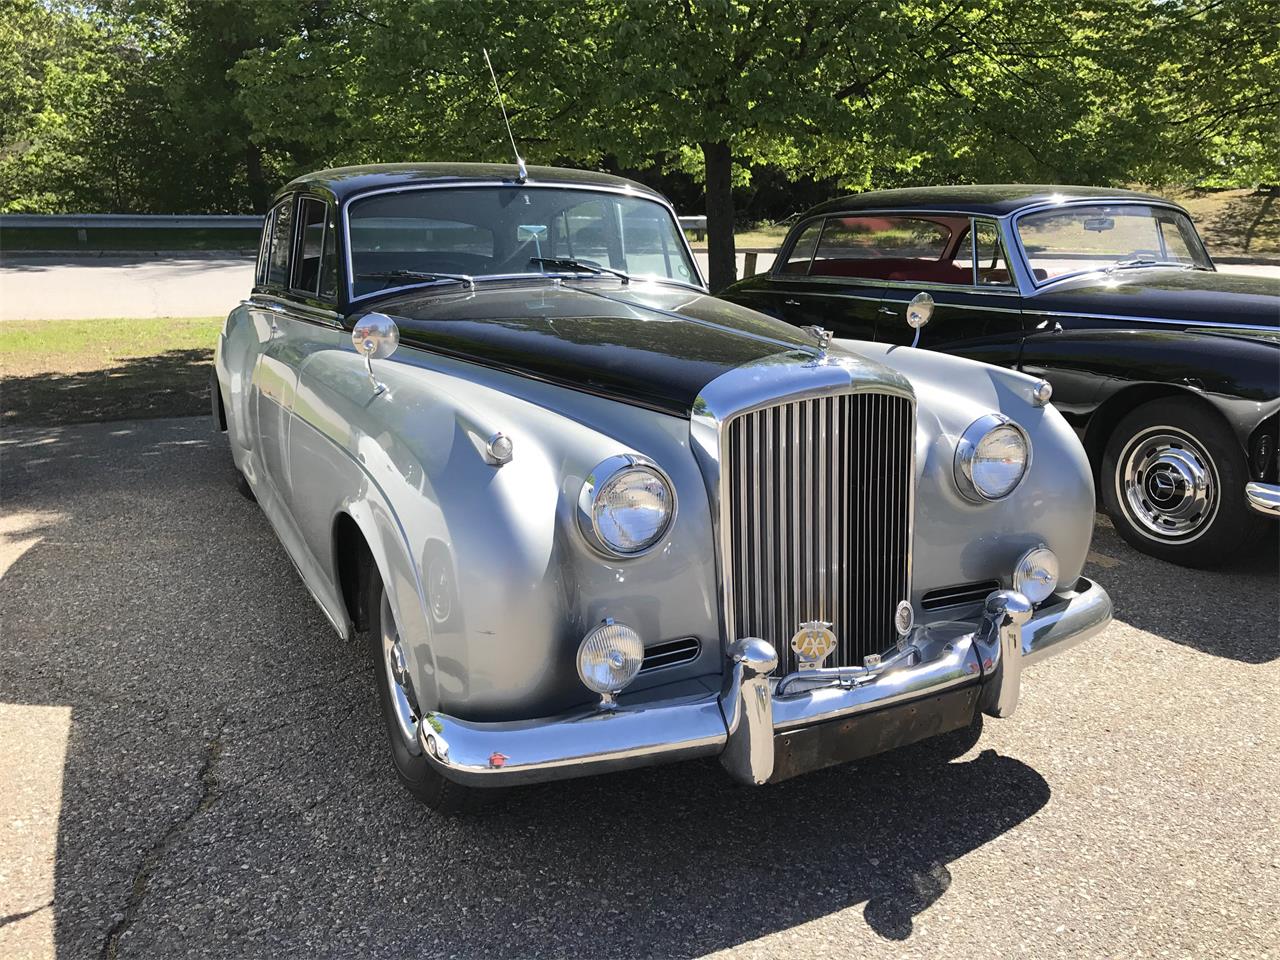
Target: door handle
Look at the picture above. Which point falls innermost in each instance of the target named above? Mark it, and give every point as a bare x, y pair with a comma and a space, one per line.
791, 302
888, 311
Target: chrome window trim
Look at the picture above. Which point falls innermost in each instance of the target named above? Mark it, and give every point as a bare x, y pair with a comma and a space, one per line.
985, 290
661, 201
304, 312
1090, 202
1167, 321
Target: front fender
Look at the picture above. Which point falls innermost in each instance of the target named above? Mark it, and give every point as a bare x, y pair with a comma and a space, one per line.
956, 539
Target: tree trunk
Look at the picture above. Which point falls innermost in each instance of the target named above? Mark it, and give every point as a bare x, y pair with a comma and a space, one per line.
721, 256
259, 189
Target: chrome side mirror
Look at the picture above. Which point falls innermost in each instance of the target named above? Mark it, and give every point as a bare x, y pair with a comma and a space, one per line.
375, 337
919, 312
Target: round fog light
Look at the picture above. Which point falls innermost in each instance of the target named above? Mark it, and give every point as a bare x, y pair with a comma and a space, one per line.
609, 658
1036, 575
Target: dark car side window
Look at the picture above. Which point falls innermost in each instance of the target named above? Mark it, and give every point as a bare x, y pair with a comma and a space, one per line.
891, 247
309, 249
264, 248
281, 243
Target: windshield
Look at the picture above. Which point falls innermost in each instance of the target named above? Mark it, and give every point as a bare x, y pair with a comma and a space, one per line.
425, 236
1084, 237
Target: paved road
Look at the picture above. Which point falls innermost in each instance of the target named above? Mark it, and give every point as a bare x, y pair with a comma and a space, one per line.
92, 287
192, 766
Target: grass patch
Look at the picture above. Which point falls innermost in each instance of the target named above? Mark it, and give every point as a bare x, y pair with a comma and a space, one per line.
72, 371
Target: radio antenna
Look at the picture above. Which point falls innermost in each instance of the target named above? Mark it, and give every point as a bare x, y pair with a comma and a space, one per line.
521, 173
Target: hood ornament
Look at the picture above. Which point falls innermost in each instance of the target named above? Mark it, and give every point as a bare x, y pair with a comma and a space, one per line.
822, 336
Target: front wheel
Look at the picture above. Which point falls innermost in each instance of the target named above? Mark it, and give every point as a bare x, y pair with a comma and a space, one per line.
400, 712
1173, 483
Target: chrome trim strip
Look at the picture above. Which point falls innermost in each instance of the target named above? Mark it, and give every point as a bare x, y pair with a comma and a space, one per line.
483, 184
298, 311
1210, 324
1263, 497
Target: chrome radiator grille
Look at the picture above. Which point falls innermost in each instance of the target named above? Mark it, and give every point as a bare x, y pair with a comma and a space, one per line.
816, 511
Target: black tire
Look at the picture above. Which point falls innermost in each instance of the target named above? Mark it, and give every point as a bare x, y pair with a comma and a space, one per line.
243, 488
417, 775
1147, 459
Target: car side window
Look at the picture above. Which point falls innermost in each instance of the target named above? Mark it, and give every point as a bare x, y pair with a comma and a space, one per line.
891, 247
281, 242
993, 269
801, 254
309, 248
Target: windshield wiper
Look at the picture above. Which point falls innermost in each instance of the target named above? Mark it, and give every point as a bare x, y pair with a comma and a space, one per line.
565, 263
1148, 262
417, 275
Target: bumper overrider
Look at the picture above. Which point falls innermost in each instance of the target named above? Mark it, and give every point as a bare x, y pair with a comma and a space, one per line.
766, 729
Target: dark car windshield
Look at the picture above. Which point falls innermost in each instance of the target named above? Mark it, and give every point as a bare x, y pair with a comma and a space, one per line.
511, 231
1078, 238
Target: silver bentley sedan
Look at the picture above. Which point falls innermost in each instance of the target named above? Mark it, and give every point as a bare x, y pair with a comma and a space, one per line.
588, 517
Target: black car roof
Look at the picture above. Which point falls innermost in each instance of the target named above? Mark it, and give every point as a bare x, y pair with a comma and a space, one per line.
346, 182
994, 200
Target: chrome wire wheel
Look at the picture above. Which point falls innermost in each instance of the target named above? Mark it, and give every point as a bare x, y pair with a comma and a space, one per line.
1168, 485
398, 683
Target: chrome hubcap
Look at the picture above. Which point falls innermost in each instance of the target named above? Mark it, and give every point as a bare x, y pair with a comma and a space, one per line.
398, 679
1168, 484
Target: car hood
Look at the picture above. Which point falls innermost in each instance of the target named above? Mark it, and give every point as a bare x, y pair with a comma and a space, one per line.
650, 345
1197, 296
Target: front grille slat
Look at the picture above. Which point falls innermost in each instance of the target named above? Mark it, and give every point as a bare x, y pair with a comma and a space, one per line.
817, 520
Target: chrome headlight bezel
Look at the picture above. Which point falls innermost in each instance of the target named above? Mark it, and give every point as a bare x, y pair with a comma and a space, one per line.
597, 480
967, 448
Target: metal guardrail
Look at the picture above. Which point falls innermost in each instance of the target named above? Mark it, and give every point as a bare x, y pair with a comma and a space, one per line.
130, 221
134, 221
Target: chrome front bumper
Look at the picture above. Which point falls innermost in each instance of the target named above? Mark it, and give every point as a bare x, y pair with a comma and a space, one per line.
1263, 497
754, 712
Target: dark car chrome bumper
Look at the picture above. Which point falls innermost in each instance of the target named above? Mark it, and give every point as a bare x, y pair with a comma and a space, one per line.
766, 729
1263, 497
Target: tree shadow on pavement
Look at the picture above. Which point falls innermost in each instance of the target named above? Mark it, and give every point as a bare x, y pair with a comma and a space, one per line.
174, 383
226, 788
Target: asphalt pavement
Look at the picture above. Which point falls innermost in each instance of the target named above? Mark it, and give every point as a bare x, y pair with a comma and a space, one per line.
191, 765
79, 287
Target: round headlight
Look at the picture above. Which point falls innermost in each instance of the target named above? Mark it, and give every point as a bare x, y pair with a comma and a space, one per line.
609, 658
992, 458
625, 507
1036, 575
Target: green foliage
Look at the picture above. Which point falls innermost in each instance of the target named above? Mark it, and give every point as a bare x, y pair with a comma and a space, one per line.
190, 105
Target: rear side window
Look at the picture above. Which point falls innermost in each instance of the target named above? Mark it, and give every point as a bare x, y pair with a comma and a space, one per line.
264, 248
892, 247
281, 242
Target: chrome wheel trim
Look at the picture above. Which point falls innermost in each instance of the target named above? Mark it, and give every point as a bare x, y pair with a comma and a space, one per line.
397, 679
1167, 485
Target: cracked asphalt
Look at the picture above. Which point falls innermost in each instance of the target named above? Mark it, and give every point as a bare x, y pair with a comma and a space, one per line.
191, 765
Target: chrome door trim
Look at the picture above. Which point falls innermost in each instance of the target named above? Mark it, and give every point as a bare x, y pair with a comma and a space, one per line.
660, 200
1167, 321
297, 311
